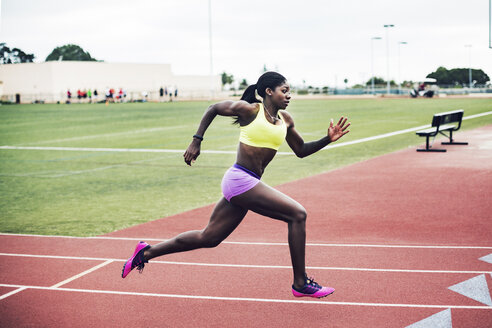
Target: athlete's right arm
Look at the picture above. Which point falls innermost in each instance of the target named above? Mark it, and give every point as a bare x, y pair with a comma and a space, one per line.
240, 108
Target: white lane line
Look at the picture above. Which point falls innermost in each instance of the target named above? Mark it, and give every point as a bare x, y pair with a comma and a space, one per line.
125, 150
318, 268
362, 245
248, 299
477, 115
61, 257
12, 292
342, 144
258, 243
386, 135
248, 266
381, 136
66, 281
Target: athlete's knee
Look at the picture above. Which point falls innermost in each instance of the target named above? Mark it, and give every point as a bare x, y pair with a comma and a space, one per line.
299, 214
210, 241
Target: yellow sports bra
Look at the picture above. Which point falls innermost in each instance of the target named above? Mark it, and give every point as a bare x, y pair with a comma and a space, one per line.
261, 133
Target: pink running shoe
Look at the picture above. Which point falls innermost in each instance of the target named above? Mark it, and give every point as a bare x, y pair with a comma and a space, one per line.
136, 261
312, 289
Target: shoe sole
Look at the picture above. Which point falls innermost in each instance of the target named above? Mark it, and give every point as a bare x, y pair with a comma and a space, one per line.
123, 270
326, 295
137, 250
307, 295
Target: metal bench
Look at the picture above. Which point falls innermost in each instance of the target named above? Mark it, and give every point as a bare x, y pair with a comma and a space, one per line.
442, 122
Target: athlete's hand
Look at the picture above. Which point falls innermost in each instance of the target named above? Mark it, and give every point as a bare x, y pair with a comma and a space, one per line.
335, 132
192, 152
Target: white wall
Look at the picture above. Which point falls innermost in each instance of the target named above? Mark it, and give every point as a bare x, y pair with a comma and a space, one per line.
50, 81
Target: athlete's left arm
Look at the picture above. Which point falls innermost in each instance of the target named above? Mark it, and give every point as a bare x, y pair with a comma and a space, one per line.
303, 149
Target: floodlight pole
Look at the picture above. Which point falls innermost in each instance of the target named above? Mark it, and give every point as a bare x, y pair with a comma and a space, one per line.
469, 65
372, 61
387, 26
212, 89
399, 66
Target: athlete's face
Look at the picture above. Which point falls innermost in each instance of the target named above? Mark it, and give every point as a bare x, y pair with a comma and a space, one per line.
280, 96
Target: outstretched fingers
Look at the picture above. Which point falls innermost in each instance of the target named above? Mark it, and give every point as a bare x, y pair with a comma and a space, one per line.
345, 127
341, 123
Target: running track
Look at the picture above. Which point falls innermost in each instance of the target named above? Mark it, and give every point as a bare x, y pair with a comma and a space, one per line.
391, 234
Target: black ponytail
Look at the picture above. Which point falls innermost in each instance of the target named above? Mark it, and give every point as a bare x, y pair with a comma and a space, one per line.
267, 80
249, 94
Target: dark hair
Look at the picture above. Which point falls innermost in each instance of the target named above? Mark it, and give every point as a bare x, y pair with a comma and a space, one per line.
267, 80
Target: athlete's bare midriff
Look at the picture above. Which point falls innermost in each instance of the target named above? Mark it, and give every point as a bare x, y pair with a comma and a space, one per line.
253, 158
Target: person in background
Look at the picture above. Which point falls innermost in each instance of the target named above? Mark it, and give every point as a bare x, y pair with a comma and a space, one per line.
109, 96
171, 93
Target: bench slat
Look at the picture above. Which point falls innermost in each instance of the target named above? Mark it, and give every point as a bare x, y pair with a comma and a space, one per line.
448, 117
434, 129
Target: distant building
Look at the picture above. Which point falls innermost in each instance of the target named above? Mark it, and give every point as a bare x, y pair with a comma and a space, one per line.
49, 81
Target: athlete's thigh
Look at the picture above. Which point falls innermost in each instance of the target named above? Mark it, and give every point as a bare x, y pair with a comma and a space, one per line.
270, 202
225, 218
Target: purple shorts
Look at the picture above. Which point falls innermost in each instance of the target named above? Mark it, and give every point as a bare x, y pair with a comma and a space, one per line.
238, 180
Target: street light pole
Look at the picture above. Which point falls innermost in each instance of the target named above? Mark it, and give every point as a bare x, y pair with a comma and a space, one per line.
387, 26
210, 46
399, 66
372, 61
469, 65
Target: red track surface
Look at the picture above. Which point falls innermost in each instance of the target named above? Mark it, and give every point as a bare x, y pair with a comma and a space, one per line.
434, 206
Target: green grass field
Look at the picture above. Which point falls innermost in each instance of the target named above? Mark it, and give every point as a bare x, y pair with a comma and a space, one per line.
90, 193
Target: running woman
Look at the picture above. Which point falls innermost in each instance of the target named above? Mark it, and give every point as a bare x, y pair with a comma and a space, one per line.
263, 127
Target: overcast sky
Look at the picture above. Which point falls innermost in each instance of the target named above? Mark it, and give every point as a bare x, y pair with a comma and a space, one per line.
321, 42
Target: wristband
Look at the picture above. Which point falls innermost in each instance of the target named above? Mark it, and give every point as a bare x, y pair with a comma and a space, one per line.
198, 137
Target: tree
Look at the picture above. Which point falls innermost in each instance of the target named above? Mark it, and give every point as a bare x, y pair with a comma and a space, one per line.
379, 81
69, 52
227, 79
458, 76
243, 85
441, 75
13, 56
